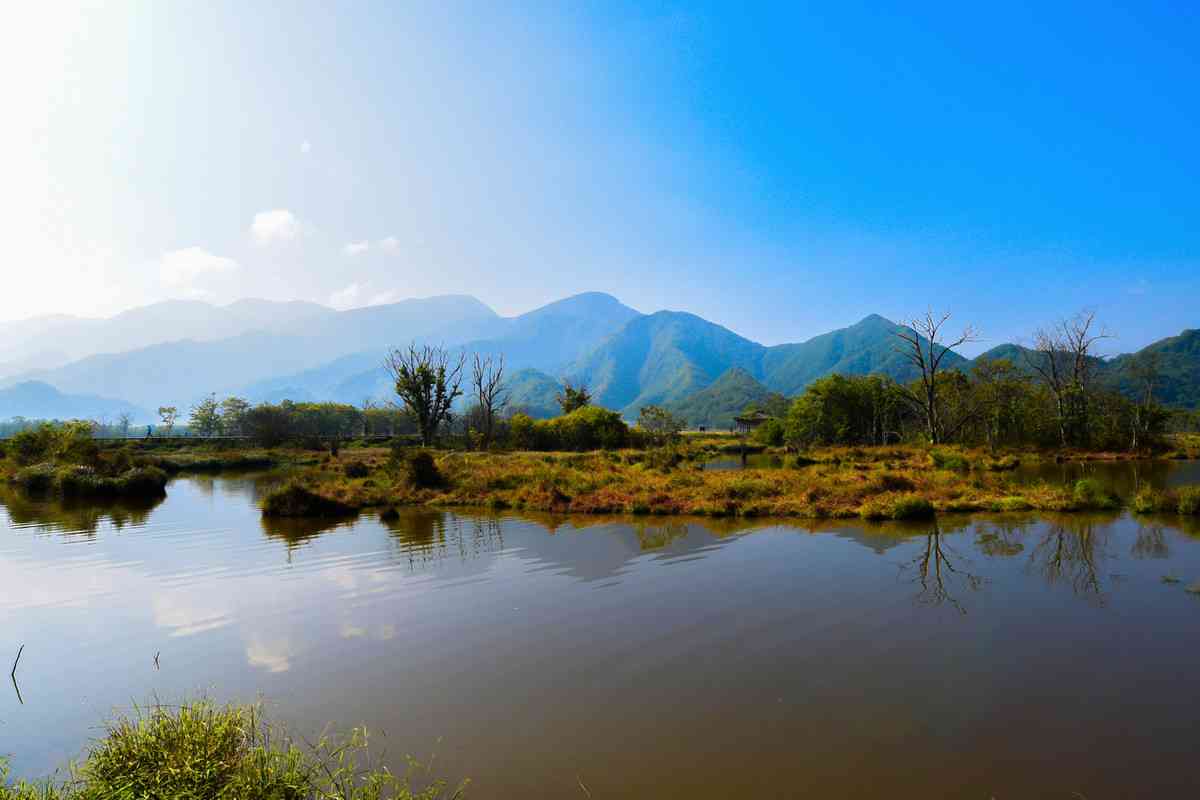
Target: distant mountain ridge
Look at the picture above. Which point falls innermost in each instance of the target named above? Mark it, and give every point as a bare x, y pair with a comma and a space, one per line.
23, 342
35, 400
664, 357
628, 359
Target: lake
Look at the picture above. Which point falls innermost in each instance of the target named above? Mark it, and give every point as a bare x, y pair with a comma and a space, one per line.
1006, 656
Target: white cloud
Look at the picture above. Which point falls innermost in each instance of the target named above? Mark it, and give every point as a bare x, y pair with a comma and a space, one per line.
277, 225
360, 295
181, 268
305, 147
354, 248
389, 244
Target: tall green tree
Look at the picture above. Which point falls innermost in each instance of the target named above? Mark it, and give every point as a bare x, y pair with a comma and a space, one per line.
573, 396
233, 414
205, 418
427, 380
168, 415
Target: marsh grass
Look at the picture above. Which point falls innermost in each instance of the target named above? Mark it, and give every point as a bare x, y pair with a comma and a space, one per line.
294, 499
202, 751
1185, 500
875, 483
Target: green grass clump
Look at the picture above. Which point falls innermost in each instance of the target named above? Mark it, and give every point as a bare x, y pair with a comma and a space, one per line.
294, 499
83, 481
1091, 494
1014, 503
1002, 464
946, 459
896, 506
201, 751
1148, 501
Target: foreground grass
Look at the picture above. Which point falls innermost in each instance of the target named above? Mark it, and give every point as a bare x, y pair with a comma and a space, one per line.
869, 483
202, 751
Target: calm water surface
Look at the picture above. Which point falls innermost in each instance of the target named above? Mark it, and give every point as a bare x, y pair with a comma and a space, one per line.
1004, 657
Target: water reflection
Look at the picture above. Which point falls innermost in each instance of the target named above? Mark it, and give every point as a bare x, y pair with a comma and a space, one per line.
48, 514
538, 647
1070, 551
942, 573
1125, 478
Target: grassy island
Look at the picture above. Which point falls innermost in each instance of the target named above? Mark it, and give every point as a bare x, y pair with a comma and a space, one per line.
900, 482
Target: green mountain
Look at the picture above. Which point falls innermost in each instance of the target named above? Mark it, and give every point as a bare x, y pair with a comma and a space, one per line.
717, 404
663, 358
1178, 363
867, 347
534, 393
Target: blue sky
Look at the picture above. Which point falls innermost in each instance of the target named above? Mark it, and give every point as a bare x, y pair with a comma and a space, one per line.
782, 170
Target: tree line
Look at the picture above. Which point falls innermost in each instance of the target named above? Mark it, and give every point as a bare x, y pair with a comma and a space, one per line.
1050, 397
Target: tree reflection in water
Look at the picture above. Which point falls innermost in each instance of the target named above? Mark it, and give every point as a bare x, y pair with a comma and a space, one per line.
1000, 539
1151, 542
53, 514
657, 536
1069, 553
425, 537
941, 574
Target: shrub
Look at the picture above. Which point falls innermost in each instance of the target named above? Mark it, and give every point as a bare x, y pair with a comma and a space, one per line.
76, 445
1089, 493
421, 471
587, 428
945, 459
33, 445
521, 432
769, 433
36, 478
356, 469
896, 506
293, 499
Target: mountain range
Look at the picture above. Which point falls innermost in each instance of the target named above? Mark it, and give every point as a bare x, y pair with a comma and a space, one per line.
177, 352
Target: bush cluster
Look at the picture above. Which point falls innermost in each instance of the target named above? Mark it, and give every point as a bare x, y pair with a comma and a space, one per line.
587, 428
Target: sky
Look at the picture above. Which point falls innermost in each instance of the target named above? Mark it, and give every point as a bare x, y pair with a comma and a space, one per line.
779, 169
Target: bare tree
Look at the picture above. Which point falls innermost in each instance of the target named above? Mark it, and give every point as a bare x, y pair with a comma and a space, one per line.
124, 420
921, 346
1145, 374
487, 376
1062, 357
427, 379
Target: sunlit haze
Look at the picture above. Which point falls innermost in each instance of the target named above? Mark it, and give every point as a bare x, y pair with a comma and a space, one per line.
778, 171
